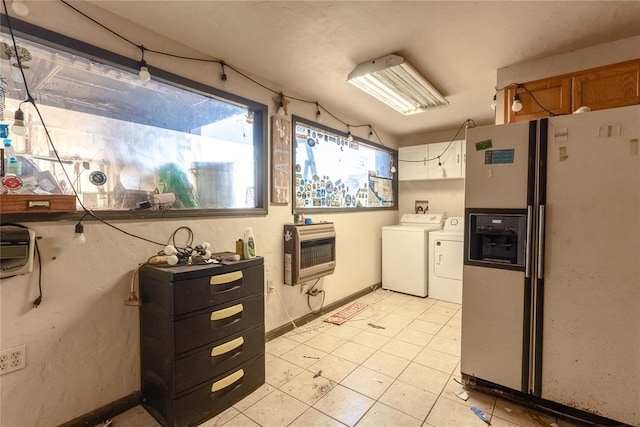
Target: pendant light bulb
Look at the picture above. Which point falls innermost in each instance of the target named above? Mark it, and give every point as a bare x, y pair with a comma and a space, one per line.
18, 127
223, 76
170, 250
280, 111
79, 237
516, 105
20, 8
144, 74
494, 104
349, 135
318, 114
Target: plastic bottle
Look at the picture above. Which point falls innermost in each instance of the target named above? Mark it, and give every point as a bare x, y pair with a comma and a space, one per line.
249, 244
14, 166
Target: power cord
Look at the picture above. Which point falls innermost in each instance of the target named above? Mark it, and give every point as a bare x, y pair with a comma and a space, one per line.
312, 292
285, 308
222, 64
466, 123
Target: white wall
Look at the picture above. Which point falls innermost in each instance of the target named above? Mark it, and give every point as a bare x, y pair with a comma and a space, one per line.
82, 343
444, 196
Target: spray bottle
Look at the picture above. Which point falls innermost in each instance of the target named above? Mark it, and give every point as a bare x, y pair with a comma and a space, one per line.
249, 244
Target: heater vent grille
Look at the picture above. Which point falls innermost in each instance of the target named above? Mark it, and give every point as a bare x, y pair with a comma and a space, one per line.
309, 252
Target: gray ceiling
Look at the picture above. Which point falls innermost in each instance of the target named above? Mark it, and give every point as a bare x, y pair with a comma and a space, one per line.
309, 47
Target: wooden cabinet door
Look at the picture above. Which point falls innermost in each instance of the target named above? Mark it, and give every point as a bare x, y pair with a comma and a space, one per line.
611, 86
554, 94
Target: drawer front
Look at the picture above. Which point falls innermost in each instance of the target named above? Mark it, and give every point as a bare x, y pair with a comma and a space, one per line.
208, 326
202, 292
219, 394
217, 358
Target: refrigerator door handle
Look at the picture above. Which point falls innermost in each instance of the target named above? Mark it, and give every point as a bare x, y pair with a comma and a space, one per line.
527, 256
540, 266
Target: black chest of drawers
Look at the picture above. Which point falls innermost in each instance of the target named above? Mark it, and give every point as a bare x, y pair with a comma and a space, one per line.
201, 339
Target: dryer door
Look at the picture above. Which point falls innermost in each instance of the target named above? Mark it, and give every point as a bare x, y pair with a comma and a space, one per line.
447, 256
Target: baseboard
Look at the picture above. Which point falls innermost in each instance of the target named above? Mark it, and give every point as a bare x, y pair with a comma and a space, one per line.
106, 412
112, 409
281, 330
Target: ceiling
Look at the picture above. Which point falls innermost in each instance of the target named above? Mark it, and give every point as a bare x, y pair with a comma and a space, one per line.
307, 48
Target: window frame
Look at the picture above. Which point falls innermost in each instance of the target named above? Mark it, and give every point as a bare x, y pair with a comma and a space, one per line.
325, 210
48, 38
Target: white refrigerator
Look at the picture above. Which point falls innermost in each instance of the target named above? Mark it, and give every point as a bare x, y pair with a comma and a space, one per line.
551, 281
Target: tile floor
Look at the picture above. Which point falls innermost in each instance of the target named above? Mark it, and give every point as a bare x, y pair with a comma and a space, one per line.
396, 363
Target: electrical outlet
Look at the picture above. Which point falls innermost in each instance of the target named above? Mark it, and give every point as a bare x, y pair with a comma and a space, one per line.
303, 288
421, 206
12, 359
269, 286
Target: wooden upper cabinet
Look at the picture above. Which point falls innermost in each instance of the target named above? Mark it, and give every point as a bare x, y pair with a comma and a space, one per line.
610, 86
554, 94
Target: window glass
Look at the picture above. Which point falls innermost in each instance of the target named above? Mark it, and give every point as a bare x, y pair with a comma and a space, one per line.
126, 144
333, 172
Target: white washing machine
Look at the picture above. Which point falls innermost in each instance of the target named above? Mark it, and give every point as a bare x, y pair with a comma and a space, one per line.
405, 253
446, 249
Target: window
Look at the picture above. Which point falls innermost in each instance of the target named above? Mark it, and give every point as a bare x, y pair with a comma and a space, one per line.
332, 172
165, 147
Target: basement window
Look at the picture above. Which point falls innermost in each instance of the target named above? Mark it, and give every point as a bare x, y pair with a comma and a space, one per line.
167, 147
335, 172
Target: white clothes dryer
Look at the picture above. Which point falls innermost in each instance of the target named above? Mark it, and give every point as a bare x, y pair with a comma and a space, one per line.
405, 253
446, 249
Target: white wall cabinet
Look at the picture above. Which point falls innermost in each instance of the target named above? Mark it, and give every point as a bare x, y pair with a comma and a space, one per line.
412, 163
432, 161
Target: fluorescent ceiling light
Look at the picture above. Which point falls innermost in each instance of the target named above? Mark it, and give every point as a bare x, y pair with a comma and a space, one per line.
393, 81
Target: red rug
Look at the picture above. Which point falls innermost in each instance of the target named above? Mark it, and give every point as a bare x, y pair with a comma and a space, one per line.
346, 313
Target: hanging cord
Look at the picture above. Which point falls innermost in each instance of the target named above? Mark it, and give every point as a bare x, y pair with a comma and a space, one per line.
31, 100
37, 301
133, 299
312, 292
285, 309
551, 113
522, 85
466, 123
216, 61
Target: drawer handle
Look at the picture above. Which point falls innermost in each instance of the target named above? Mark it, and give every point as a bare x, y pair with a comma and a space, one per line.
226, 347
225, 278
227, 381
227, 312
38, 204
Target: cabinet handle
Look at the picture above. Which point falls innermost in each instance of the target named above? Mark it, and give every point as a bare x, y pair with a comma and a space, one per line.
225, 278
226, 312
226, 347
227, 381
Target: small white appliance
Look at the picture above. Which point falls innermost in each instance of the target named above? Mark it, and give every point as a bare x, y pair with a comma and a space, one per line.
446, 258
405, 253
